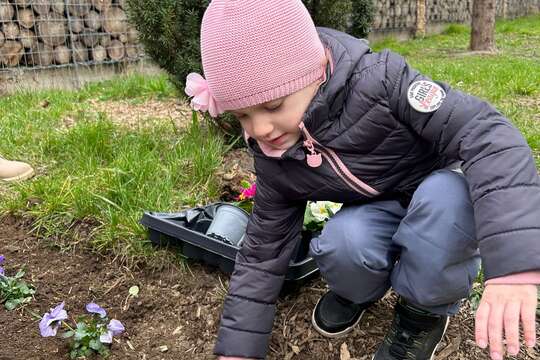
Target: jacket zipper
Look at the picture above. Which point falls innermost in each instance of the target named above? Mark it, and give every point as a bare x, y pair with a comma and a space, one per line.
314, 159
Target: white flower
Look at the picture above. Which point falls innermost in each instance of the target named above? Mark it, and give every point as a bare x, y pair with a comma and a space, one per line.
323, 210
333, 207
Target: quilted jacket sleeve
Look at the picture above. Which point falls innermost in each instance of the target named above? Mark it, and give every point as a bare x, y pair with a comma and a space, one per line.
261, 264
496, 160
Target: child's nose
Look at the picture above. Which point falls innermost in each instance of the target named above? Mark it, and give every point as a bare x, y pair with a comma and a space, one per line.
262, 128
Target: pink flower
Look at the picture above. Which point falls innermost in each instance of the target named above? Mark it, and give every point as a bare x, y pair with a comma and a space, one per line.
250, 192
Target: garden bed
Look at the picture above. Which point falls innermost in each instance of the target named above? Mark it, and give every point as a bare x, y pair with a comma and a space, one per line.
177, 311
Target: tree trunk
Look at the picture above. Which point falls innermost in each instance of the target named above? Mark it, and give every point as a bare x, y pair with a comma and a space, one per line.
78, 7
23, 3
27, 38
89, 38
62, 55
58, 7
420, 18
76, 24
41, 7
11, 30
52, 29
483, 25
93, 20
116, 50
6, 11
11, 53
101, 5
26, 18
105, 40
115, 20
40, 55
80, 53
133, 35
132, 51
98, 53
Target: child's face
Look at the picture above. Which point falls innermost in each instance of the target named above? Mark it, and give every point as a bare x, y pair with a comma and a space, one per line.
275, 123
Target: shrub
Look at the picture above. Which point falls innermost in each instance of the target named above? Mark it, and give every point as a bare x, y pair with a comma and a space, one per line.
362, 17
330, 13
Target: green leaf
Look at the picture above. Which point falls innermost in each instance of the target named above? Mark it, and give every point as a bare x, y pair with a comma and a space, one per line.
194, 117
95, 345
134, 291
68, 334
19, 274
245, 184
103, 351
73, 354
12, 304
81, 332
23, 288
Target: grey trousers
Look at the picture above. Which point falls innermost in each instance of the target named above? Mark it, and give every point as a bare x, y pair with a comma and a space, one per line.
427, 253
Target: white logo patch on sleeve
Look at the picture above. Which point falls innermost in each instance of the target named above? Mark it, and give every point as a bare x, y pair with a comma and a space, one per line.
425, 96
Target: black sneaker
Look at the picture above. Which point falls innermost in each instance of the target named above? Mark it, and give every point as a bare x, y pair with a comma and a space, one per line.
414, 334
335, 316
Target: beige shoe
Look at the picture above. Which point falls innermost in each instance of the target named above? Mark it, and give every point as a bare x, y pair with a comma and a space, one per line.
14, 170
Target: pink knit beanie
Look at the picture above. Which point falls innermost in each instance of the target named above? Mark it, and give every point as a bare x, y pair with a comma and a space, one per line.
254, 51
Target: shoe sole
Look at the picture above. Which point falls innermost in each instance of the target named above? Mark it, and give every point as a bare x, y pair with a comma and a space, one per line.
22, 177
338, 334
439, 343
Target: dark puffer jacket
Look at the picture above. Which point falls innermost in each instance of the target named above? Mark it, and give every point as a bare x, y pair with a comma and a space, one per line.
362, 116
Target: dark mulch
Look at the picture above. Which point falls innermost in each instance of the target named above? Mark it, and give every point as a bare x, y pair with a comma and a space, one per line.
177, 308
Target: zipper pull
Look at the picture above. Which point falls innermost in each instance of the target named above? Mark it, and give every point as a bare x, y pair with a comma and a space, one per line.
314, 159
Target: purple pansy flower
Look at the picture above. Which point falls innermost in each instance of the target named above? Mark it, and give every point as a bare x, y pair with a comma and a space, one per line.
49, 324
96, 309
114, 328
2, 258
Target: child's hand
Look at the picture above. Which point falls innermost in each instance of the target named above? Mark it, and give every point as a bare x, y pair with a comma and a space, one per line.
501, 307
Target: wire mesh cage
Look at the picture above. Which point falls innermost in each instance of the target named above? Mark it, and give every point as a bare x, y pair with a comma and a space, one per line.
44, 34
394, 15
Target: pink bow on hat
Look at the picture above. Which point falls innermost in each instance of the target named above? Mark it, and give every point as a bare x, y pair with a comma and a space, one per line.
197, 86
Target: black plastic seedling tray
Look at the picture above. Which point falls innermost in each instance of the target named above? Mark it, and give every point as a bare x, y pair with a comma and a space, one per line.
186, 231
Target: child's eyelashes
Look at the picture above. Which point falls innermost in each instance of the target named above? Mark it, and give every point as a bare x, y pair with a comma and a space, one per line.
274, 108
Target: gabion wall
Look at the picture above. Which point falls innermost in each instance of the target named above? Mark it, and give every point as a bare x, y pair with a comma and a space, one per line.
391, 15
57, 33
394, 15
516, 8
60, 33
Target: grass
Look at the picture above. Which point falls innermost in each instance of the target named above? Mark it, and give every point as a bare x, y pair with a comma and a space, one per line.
510, 80
99, 173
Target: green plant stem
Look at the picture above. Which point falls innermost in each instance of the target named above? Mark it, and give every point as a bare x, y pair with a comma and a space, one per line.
68, 326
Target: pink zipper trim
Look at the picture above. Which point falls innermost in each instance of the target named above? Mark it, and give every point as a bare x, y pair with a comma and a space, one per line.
341, 170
